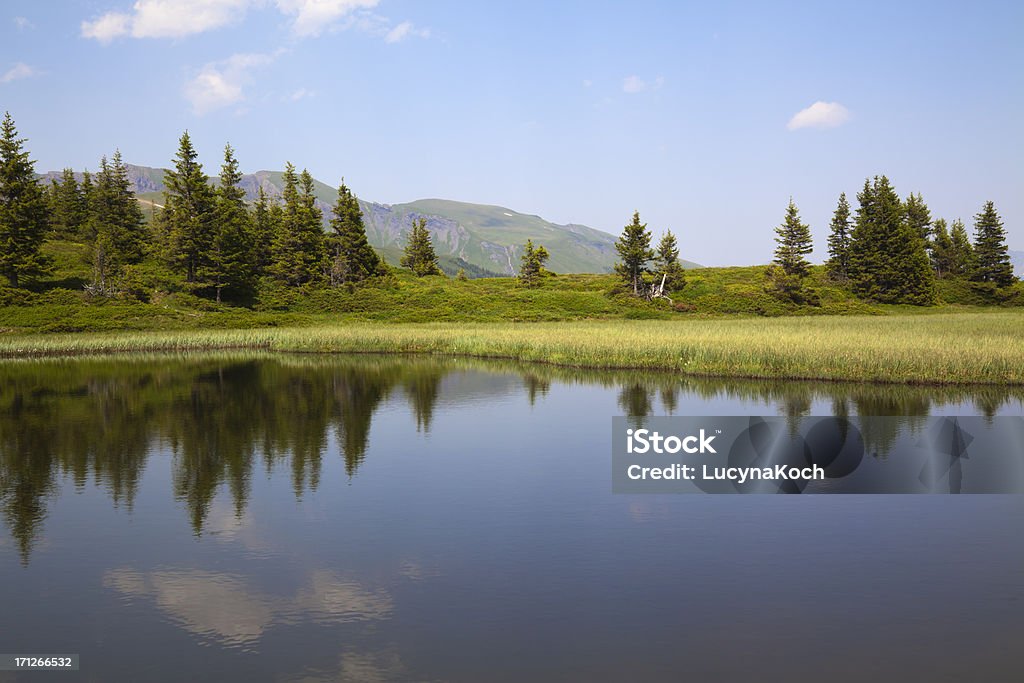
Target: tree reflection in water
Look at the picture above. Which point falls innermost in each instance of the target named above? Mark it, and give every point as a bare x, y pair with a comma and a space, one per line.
222, 415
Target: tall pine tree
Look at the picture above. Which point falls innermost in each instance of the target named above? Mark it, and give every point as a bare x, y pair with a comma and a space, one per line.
265, 224
666, 262
961, 261
353, 257
116, 232
299, 250
838, 264
67, 207
888, 261
919, 218
794, 240
991, 259
634, 247
941, 249
189, 212
230, 259
419, 256
24, 214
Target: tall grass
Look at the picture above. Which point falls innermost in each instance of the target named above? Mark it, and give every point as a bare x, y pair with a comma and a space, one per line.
962, 348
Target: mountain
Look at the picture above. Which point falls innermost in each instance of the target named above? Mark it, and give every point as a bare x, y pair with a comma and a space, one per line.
482, 239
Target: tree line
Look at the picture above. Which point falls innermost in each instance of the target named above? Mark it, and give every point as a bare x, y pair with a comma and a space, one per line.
206, 235
215, 243
893, 251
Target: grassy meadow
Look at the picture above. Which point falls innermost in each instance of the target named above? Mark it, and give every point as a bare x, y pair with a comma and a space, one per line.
724, 322
959, 348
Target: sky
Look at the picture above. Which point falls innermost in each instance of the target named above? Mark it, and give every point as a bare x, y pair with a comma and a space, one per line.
704, 117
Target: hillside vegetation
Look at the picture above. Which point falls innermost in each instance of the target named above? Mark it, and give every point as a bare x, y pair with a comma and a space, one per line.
59, 303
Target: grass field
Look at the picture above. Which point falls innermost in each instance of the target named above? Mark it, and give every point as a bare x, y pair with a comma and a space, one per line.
962, 348
724, 322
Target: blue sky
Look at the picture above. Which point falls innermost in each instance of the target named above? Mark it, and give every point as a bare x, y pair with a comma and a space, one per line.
705, 117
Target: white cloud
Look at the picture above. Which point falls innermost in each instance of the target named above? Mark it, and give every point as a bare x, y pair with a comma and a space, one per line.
23, 23
300, 94
313, 17
180, 18
820, 115
17, 72
107, 27
166, 19
398, 33
635, 84
403, 31
221, 84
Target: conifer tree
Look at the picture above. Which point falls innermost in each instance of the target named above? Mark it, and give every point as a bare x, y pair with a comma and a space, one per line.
353, 257
991, 258
230, 260
666, 261
419, 256
299, 249
888, 261
532, 264
265, 225
634, 247
67, 207
24, 214
189, 212
794, 240
919, 218
961, 262
838, 264
116, 231
941, 249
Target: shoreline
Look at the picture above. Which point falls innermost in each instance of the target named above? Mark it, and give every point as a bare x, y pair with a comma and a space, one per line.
974, 349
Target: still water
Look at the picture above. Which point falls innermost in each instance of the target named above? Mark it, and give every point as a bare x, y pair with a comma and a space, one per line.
325, 518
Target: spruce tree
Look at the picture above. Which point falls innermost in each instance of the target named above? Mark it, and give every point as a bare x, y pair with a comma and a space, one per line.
67, 207
116, 227
230, 260
24, 213
419, 256
941, 249
314, 242
991, 259
634, 247
532, 264
265, 225
666, 261
189, 212
299, 249
919, 218
794, 240
838, 264
888, 261
353, 257
961, 262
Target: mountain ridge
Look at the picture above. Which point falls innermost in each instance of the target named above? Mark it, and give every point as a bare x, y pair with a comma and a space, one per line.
484, 239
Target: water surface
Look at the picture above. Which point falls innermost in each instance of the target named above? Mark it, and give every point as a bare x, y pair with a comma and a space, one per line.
320, 518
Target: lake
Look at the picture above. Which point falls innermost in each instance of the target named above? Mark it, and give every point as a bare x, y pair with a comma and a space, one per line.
257, 517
